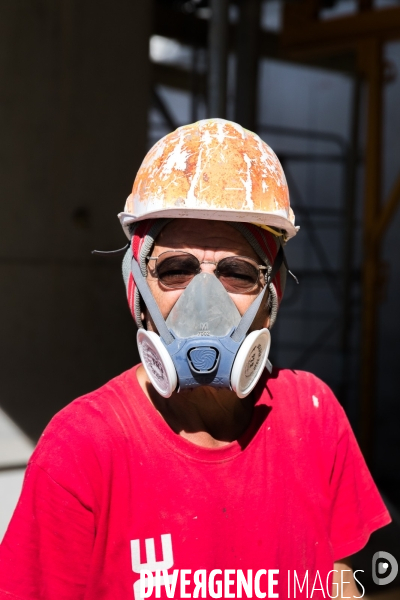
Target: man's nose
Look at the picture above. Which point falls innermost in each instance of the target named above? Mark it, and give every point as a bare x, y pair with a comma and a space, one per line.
208, 266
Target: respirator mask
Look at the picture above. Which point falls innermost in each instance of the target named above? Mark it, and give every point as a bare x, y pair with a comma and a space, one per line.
204, 341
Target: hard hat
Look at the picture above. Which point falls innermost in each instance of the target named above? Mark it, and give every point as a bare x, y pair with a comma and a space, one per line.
212, 169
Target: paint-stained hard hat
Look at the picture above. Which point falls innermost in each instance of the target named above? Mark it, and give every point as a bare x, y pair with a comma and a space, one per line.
212, 169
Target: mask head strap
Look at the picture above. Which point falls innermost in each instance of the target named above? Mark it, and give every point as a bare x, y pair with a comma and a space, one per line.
150, 302
250, 314
159, 320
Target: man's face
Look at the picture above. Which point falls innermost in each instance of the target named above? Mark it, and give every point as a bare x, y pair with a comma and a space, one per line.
208, 241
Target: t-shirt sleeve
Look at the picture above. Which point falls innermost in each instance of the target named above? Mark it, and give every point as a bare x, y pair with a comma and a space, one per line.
357, 508
46, 550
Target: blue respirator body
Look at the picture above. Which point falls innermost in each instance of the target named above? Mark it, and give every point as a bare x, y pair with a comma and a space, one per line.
204, 341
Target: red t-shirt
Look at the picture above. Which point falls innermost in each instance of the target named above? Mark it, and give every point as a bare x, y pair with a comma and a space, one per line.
111, 490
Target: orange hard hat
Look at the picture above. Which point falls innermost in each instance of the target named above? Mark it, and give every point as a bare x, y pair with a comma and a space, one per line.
212, 169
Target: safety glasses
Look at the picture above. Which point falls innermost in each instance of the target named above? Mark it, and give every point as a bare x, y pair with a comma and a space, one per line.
175, 269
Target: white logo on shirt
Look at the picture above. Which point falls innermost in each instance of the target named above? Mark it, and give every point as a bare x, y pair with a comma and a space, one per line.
151, 563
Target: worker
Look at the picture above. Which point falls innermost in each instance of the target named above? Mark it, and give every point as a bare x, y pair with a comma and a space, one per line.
204, 471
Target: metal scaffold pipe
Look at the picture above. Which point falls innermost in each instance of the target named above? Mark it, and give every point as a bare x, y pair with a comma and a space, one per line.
373, 65
218, 54
247, 63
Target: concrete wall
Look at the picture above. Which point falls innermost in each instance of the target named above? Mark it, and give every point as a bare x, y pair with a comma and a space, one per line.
73, 118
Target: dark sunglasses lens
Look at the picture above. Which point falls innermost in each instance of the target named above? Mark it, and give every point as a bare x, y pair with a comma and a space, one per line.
237, 275
176, 270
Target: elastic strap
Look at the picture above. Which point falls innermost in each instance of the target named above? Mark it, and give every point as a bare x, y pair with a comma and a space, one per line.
288, 270
114, 252
245, 321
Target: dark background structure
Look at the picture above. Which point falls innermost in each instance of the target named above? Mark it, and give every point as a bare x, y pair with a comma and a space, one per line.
87, 87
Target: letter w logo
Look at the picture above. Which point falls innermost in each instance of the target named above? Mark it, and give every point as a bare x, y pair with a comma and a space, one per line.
151, 564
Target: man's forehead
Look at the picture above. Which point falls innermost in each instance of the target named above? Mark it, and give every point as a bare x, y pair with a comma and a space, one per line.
198, 228
201, 233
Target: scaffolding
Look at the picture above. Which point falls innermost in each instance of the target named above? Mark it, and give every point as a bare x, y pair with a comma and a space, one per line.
350, 44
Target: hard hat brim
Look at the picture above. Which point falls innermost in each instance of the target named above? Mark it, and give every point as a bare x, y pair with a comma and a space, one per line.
238, 216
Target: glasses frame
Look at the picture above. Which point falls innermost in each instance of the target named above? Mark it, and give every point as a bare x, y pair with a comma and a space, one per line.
259, 268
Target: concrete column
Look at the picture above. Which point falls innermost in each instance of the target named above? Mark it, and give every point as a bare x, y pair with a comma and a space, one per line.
74, 99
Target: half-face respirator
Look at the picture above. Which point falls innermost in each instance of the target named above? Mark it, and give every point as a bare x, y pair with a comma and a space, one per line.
204, 341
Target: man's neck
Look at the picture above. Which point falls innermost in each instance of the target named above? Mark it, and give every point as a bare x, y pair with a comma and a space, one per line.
208, 417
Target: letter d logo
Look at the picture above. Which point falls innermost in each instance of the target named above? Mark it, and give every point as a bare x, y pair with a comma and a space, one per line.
384, 568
